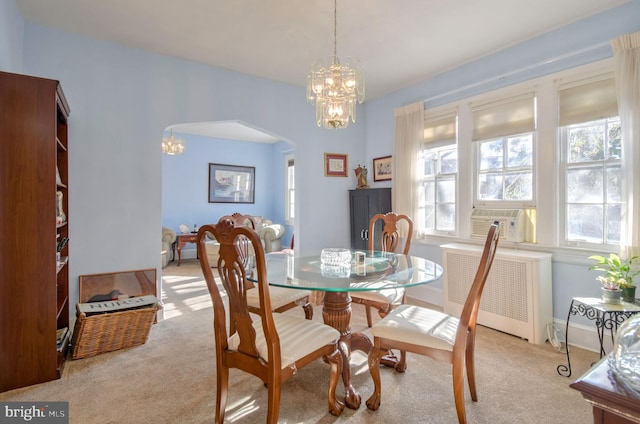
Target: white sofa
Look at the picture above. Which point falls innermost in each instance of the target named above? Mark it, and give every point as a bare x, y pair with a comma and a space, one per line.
270, 235
168, 237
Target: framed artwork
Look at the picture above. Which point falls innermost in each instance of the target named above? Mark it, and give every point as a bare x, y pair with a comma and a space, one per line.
111, 285
382, 169
335, 165
231, 183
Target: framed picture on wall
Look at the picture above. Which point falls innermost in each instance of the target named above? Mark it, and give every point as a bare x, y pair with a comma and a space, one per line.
335, 165
382, 168
111, 285
231, 183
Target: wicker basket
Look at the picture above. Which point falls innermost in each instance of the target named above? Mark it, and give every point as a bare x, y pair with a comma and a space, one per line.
101, 333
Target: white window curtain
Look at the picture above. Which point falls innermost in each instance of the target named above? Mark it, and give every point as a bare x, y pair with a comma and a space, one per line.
626, 52
409, 131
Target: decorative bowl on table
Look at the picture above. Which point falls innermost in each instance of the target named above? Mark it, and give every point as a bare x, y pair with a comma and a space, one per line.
336, 257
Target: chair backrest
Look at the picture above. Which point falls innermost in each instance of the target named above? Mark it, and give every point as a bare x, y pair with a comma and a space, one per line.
233, 275
469, 313
246, 252
389, 236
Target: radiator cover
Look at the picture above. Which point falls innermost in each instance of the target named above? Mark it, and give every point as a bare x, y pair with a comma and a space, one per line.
517, 298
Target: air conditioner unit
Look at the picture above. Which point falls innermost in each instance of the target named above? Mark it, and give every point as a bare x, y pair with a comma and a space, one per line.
512, 223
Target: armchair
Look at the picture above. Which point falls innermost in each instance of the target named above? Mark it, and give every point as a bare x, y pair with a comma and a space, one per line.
168, 238
271, 236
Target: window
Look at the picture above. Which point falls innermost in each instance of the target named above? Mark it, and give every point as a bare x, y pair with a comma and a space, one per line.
438, 165
290, 196
505, 168
591, 158
504, 132
593, 181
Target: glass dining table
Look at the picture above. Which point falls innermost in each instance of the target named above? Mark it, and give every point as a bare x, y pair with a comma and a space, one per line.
364, 271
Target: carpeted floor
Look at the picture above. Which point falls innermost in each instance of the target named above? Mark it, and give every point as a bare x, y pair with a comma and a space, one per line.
171, 378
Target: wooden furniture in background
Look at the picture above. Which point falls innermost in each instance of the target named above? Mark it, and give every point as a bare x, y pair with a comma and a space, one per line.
611, 404
181, 240
273, 346
435, 334
363, 204
34, 287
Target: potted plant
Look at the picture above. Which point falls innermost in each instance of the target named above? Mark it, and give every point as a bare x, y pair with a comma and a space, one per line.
618, 276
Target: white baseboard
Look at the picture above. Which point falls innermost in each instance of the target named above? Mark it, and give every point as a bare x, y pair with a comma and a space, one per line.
580, 335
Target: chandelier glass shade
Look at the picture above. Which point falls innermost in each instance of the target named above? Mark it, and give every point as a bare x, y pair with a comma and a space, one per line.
173, 145
335, 87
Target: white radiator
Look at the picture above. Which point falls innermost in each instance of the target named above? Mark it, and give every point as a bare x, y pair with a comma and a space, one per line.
517, 297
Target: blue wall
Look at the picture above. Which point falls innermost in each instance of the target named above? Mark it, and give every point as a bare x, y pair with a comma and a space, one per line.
185, 182
11, 28
122, 99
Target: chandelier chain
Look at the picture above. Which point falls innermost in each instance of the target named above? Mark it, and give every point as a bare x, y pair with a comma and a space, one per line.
335, 30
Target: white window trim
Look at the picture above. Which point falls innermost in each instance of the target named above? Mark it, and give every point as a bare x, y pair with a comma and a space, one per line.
546, 165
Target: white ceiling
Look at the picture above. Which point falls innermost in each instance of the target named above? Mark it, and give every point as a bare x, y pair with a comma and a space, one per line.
398, 42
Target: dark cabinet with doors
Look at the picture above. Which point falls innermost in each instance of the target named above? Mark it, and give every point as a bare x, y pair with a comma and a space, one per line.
363, 204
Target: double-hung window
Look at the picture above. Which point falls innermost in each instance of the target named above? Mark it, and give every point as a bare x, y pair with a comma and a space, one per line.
504, 131
591, 142
438, 173
290, 200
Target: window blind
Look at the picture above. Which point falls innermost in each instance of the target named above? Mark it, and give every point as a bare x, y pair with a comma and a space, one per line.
439, 130
512, 115
587, 101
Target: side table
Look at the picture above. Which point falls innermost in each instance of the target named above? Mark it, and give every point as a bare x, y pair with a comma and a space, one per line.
607, 316
181, 240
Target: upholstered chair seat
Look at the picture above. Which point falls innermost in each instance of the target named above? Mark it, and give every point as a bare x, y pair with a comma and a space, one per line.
298, 337
418, 326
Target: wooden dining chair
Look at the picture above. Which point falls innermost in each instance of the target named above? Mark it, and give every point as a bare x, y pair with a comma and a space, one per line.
282, 299
384, 300
435, 334
270, 346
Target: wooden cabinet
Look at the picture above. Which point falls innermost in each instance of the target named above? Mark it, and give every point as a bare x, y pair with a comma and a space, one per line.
34, 286
363, 204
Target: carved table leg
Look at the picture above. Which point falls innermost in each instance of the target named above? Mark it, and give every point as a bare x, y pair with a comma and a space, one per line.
336, 312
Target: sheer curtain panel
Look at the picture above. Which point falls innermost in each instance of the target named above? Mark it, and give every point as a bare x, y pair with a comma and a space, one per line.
409, 132
626, 51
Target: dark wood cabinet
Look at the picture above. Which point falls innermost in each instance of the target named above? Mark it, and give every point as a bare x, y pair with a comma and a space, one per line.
34, 194
363, 204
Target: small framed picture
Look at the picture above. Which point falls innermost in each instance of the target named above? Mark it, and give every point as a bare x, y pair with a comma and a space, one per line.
382, 169
335, 165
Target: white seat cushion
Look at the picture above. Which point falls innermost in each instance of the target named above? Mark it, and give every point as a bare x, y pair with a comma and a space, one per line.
392, 296
419, 326
280, 296
298, 337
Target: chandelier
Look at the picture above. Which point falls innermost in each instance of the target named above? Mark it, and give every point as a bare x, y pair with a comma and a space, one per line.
172, 145
336, 88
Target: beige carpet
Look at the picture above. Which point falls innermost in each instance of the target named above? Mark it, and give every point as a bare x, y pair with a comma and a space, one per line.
171, 378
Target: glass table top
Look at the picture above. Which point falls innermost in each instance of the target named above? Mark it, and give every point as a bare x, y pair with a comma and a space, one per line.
374, 271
